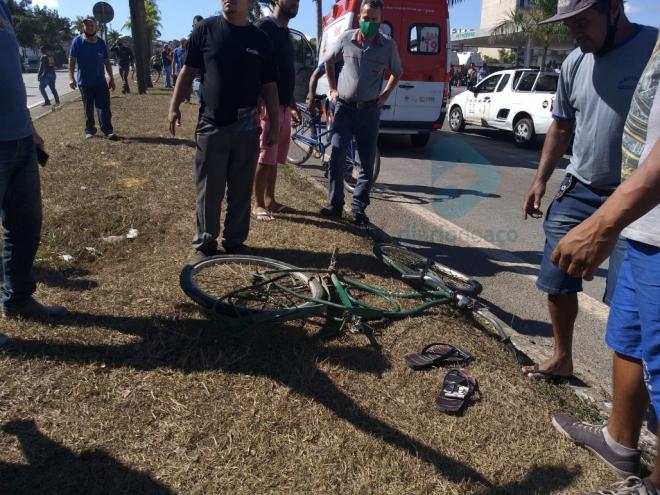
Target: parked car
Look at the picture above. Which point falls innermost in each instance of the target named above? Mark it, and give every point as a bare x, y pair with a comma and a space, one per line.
31, 65
512, 100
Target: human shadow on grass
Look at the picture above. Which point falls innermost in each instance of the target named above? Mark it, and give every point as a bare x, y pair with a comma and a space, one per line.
52, 468
68, 279
286, 354
171, 141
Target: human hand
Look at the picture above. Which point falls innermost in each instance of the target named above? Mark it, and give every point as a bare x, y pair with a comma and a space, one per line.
72, 84
174, 119
584, 248
37, 139
532, 201
111, 84
334, 94
295, 115
382, 99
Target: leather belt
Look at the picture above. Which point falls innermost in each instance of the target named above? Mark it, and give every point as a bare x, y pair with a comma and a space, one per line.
358, 105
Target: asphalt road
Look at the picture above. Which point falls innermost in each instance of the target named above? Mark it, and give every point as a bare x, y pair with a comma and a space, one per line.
460, 199
32, 87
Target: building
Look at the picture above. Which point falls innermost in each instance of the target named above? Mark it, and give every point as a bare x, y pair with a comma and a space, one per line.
493, 12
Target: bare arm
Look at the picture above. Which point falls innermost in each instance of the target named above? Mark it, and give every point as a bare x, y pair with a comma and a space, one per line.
556, 144
183, 82
313, 84
72, 69
585, 247
108, 68
391, 84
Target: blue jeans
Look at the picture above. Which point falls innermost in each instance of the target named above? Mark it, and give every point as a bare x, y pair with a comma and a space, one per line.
97, 97
633, 328
363, 124
48, 80
167, 71
197, 88
573, 204
20, 200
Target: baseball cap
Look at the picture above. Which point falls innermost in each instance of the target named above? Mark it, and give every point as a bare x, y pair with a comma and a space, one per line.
89, 18
570, 8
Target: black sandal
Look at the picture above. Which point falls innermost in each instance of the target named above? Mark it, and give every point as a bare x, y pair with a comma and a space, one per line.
437, 354
457, 389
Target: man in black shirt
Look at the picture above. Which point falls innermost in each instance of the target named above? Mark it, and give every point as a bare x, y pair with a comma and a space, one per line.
124, 57
236, 62
272, 155
46, 77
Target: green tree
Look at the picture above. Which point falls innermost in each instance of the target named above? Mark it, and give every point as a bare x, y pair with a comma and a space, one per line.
153, 18
112, 37
526, 22
258, 8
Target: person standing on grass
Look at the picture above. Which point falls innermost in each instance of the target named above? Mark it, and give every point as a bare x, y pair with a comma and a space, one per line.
20, 191
166, 59
125, 60
633, 327
46, 77
596, 85
270, 156
358, 99
90, 54
178, 61
197, 81
236, 61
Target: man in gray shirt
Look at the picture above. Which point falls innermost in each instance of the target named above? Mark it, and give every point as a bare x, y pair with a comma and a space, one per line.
367, 53
596, 85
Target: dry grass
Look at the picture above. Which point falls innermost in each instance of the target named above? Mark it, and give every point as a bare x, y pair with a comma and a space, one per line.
138, 392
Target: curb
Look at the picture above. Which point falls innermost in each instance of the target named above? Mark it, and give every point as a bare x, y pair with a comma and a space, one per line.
523, 345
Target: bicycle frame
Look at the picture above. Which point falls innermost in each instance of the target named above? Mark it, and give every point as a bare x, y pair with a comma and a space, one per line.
316, 142
349, 308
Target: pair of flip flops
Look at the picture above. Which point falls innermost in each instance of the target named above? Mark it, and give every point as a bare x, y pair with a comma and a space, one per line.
458, 386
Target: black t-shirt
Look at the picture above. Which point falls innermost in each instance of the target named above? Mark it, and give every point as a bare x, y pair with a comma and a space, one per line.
235, 61
124, 55
284, 57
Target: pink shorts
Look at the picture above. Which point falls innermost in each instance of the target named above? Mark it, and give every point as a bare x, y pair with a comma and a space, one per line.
277, 153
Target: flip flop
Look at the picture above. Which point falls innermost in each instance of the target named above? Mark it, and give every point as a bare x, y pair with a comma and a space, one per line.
262, 216
457, 389
437, 354
545, 375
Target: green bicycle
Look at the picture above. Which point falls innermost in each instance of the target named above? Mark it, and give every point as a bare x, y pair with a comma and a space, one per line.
250, 289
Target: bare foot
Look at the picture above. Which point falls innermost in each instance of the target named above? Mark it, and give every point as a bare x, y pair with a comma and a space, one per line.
262, 215
551, 368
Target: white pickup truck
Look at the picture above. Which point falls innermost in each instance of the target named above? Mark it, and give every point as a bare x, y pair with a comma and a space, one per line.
517, 100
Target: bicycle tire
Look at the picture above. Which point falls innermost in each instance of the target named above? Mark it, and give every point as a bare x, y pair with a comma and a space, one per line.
407, 262
299, 151
353, 166
225, 270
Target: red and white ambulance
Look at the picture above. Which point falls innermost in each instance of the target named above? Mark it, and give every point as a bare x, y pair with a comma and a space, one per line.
421, 30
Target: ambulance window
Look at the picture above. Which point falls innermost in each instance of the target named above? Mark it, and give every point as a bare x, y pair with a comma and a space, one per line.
387, 29
424, 39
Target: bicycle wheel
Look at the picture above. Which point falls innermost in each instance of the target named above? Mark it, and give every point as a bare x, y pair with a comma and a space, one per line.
353, 168
237, 285
299, 150
409, 263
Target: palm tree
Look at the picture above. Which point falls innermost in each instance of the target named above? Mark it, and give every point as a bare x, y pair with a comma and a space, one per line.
140, 43
258, 7
153, 20
526, 22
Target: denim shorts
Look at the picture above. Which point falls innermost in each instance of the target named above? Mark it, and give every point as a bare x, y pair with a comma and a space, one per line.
633, 328
573, 204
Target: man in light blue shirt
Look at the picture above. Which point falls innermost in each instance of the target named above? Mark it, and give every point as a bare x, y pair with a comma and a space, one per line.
20, 191
90, 53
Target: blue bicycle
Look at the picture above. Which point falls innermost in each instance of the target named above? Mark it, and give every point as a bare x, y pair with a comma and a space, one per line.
311, 136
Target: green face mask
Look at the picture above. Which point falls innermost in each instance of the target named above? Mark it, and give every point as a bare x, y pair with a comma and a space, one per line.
369, 29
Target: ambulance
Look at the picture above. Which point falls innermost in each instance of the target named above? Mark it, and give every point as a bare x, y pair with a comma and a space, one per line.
421, 30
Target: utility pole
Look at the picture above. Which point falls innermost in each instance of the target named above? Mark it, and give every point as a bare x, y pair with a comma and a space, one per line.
140, 44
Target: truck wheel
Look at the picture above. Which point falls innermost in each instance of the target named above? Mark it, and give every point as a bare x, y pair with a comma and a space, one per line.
420, 140
523, 132
456, 122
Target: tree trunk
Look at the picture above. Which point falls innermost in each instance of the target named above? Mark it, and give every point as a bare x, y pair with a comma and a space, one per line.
528, 52
319, 25
140, 44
